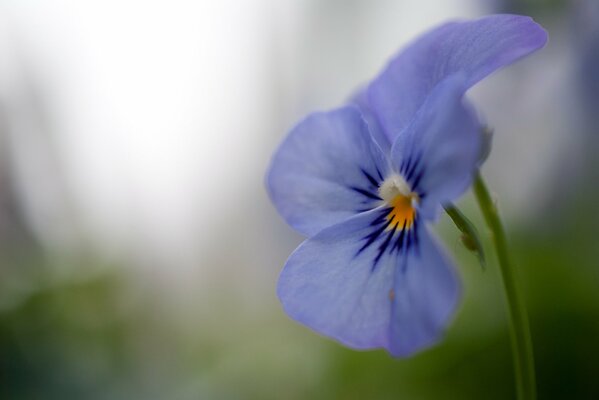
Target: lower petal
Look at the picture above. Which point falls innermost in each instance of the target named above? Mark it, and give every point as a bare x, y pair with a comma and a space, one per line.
426, 294
333, 284
370, 285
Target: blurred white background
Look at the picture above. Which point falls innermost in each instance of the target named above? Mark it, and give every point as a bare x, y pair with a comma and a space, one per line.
140, 131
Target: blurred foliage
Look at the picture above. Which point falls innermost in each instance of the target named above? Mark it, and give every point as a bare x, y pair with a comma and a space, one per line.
63, 340
81, 340
531, 7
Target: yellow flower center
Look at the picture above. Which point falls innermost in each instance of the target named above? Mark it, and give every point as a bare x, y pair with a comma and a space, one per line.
396, 192
403, 212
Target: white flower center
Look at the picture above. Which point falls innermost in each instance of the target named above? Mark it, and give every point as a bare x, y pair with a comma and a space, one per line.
398, 195
394, 186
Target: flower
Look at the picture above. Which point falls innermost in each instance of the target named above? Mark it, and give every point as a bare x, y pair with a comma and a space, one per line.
365, 180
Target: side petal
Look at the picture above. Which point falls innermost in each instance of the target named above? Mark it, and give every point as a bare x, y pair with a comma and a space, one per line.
474, 48
438, 151
427, 293
327, 169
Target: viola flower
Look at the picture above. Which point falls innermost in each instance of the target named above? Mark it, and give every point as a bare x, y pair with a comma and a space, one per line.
365, 181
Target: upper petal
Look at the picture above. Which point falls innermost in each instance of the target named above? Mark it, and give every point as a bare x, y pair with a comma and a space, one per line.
474, 48
326, 170
427, 293
360, 100
438, 151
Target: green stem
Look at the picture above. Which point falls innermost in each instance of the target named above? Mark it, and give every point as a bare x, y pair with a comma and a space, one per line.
519, 330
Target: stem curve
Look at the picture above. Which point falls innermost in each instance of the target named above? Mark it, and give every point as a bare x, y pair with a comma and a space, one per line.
518, 319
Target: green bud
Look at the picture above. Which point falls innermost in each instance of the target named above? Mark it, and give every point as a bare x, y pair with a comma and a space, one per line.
469, 237
468, 242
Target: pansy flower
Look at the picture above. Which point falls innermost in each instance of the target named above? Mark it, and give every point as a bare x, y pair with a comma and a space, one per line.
364, 182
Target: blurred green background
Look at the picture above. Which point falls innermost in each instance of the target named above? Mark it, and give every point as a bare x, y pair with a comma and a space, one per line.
138, 250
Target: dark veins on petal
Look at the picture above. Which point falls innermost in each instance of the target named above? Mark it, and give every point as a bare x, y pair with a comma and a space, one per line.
369, 190
412, 169
386, 237
389, 239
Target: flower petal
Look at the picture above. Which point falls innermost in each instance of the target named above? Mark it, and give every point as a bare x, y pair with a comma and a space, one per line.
360, 100
369, 286
335, 288
475, 48
326, 170
438, 151
427, 292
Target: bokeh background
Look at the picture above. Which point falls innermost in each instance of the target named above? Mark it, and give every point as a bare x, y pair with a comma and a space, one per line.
138, 250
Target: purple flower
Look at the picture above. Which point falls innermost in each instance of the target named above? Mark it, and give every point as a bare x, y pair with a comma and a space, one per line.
363, 181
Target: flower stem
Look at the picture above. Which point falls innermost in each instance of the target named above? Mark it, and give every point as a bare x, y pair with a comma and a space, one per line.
519, 329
